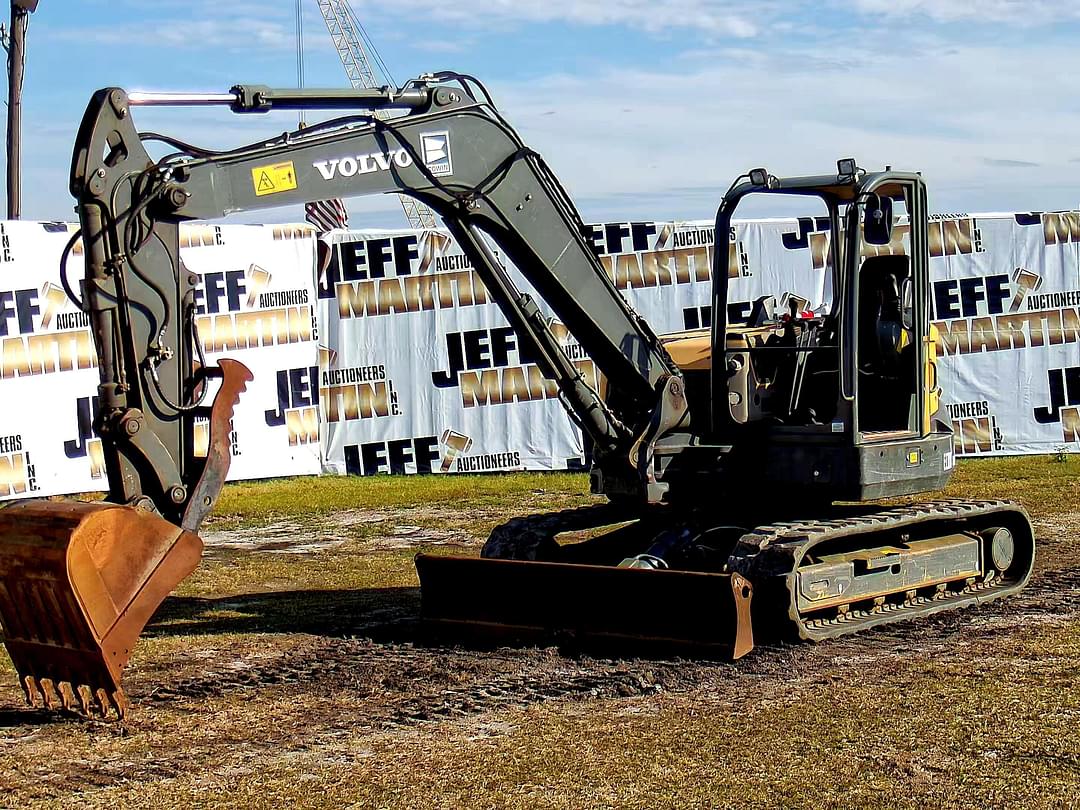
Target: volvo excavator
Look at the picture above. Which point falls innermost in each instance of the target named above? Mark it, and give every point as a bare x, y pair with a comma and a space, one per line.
739, 460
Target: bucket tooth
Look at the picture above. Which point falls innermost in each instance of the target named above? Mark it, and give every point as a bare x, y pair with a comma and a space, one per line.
48, 691
67, 696
32, 691
86, 697
119, 703
102, 705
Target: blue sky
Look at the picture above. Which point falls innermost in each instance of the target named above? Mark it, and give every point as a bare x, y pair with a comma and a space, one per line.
645, 108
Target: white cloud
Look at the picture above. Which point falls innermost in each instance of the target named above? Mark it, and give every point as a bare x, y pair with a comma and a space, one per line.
964, 115
985, 123
1024, 12
237, 26
219, 32
721, 18
717, 19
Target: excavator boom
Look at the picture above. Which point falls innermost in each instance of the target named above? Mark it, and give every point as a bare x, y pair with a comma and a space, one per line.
452, 150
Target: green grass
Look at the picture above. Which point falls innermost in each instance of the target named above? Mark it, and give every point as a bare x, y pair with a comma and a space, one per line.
316, 495
957, 729
1043, 484
338, 569
906, 734
986, 719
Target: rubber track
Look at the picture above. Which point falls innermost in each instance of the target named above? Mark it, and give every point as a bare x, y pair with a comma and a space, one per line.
532, 537
770, 553
769, 556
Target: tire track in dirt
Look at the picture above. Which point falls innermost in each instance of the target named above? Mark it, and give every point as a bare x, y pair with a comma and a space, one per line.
519, 690
412, 683
396, 684
1054, 589
370, 651
384, 659
451, 682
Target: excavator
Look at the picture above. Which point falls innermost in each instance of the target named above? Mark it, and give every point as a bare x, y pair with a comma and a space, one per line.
741, 462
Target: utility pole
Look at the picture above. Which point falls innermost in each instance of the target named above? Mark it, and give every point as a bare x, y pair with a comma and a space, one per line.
16, 55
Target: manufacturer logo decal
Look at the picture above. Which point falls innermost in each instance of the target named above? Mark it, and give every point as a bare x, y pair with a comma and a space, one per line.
350, 166
435, 149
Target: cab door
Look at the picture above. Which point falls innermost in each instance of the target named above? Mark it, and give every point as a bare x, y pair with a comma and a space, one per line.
889, 315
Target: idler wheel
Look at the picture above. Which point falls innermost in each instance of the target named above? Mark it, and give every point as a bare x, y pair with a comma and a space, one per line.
1001, 547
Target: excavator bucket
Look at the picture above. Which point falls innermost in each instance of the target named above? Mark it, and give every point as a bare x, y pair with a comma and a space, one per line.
78, 582
587, 605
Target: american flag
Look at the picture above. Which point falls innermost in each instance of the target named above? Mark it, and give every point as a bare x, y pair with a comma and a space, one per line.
326, 215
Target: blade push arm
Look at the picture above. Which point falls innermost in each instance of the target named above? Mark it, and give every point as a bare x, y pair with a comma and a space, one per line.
451, 150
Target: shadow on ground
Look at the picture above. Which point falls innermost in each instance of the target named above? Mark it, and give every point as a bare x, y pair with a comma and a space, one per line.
13, 718
387, 616
332, 613
392, 616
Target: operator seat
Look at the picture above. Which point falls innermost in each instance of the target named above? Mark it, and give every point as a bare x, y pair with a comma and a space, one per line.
886, 347
882, 335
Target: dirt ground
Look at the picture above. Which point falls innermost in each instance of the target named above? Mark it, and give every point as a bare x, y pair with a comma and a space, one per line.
309, 686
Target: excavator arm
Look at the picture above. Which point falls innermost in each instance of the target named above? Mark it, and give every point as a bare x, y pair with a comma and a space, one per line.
452, 150
79, 581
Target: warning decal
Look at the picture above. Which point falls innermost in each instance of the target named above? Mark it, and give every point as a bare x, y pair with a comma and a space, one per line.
273, 179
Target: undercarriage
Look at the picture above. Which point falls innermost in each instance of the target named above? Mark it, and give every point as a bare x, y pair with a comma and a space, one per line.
845, 569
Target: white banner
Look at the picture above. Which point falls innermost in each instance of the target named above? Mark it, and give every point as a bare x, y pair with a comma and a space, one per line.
396, 361
48, 369
1005, 292
421, 373
1007, 306
256, 304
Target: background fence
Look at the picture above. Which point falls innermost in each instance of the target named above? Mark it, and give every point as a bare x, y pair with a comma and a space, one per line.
393, 359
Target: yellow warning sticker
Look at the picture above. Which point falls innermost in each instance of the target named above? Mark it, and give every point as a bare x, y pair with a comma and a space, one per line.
273, 179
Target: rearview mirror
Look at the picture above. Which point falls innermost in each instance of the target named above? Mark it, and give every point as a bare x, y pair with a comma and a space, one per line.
878, 220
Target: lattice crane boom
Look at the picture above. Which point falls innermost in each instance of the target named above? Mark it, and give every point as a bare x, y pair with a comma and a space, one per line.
345, 32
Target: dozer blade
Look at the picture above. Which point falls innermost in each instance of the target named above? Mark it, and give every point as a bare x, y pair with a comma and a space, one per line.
627, 607
78, 582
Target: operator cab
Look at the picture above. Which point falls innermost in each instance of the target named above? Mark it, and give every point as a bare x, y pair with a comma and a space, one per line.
853, 361
829, 387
